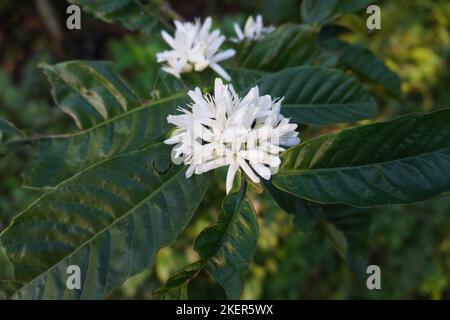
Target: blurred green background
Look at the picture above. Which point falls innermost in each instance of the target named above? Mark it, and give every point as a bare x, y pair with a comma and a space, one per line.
411, 243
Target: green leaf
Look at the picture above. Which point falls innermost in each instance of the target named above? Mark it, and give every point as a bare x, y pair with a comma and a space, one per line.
243, 79
277, 11
110, 220
59, 157
317, 11
10, 136
319, 96
89, 91
364, 63
288, 46
324, 11
400, 161
228, 246
176, 286
6, 267
349, 6
9, 132
167, 85
135, 15
347, 227
7, 288
306, 213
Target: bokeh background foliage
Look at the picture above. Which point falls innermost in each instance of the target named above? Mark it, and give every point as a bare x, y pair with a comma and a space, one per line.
411, 243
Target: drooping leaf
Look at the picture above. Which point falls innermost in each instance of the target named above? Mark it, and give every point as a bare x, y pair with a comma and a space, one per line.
347, 227
306, 213
400, 161
6, 267
135, 15
9, 132
176, 286
364, 63
227, 247
288, 46
9, 135
324, 11
59, 157
110, 220
319, 96
89, 91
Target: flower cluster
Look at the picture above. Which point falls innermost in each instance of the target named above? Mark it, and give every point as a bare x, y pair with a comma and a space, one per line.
225, 130
253, 29
194, 48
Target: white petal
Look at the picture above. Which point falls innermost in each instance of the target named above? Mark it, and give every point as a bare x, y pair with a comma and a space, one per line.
289, 142
200, 102
214, 164
174, 157
248, 171
206, 27
253, 156
262, 170
220, 71
182, 121
232, 169
238, 31
223, 55
272, 161
248, 27
200, 66
172, 71
168, 38
174, 139
219, 88
179, 26
190, 170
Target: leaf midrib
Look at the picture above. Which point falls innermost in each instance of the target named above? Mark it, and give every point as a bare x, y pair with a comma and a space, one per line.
326, 105
227, 228
289, 172
112, 119
126, 214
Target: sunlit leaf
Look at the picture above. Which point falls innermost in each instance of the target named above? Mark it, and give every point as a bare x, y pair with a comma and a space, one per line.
89, 91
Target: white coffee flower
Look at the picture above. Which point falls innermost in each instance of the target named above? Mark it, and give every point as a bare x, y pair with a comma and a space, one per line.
194, 48
224, 130
253, 29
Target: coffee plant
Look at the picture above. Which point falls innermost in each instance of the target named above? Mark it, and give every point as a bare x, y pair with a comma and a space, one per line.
130, 179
